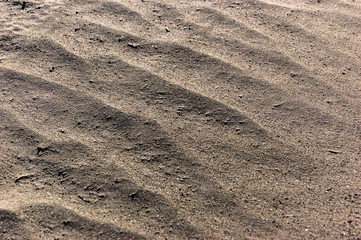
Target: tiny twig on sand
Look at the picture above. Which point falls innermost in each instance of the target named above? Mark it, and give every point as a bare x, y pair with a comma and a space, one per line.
23, 5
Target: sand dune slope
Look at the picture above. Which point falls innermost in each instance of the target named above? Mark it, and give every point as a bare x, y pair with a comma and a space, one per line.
142, 119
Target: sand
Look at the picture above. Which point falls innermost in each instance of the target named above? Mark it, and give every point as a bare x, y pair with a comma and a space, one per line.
142, 119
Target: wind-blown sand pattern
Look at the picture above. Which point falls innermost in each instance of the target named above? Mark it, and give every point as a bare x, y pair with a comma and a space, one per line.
142, 119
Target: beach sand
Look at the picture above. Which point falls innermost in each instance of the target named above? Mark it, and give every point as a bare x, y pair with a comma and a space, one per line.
142, 119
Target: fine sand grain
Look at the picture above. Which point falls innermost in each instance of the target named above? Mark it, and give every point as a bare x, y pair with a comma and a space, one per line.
159, 119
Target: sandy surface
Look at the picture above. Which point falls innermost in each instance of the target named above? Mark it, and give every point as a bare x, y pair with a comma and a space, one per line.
142, 119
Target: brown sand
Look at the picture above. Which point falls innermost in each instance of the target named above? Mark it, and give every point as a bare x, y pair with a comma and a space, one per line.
135, 119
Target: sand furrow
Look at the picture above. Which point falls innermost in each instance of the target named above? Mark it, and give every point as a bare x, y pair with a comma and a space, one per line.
309, 115
267, 60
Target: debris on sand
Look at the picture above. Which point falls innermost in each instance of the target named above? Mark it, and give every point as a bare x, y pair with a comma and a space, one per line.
133, 45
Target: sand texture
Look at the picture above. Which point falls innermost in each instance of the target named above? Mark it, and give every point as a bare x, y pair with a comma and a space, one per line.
184, 119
